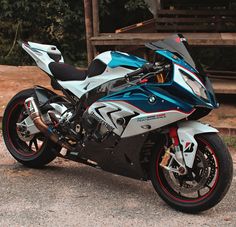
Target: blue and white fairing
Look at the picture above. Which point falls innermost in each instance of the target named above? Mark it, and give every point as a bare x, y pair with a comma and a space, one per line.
117, 65
138, 108
187, 71
150, 106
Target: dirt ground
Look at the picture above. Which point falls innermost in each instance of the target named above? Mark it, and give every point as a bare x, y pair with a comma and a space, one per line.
14, 79
70, 194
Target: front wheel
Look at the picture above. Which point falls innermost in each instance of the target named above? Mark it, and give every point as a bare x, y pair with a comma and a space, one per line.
206, 183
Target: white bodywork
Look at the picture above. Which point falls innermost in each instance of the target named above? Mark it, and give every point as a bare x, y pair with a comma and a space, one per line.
138, 124
110, 112
186, 132
79, 88
39, 52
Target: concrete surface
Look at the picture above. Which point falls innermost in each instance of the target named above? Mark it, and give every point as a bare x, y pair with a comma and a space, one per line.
70, 194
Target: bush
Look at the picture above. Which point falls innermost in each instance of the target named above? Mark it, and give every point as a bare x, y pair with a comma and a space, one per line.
58, 22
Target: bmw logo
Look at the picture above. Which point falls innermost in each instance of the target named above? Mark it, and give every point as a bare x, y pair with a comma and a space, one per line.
152, 99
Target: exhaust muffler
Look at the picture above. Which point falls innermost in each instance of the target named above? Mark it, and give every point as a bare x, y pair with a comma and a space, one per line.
36, 117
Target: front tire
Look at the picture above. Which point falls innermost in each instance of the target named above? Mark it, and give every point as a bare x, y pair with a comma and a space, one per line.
212, 171
34, 153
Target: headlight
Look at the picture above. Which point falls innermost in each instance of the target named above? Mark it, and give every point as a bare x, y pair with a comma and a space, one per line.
196, 87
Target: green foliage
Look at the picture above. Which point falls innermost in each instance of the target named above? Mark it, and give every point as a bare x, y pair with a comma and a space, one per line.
59, 22
55, 21
132, 5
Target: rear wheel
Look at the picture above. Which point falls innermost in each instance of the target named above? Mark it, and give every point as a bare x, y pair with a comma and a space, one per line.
205, 184
30, 150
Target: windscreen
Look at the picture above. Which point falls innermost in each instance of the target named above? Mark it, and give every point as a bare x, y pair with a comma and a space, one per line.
177, 44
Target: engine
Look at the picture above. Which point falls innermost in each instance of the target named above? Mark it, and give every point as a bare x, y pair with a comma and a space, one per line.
95, 128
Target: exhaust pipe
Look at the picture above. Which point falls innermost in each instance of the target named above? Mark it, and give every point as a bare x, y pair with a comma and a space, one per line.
35, 115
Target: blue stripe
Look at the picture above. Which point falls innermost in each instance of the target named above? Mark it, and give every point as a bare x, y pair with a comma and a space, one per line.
120, 59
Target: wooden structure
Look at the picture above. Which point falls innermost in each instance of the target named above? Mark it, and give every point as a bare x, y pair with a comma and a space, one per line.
137, 39
200, 27
186, 20
196, 21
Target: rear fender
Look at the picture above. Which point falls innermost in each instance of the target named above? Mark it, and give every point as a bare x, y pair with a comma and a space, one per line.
186, 132
43, 94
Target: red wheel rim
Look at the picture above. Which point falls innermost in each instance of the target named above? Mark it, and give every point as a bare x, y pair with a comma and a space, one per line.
175, 196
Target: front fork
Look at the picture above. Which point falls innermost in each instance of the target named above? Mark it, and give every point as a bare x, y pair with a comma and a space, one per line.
169, 157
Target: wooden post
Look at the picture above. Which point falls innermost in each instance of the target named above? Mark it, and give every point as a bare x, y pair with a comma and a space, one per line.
89, 28
159, 4
95, 17
96, 22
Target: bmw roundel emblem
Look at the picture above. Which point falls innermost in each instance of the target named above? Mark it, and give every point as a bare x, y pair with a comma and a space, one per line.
152, 99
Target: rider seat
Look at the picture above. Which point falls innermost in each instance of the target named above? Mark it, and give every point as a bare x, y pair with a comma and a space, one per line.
65, 72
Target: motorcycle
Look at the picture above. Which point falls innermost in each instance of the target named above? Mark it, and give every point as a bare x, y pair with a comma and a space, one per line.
126, 116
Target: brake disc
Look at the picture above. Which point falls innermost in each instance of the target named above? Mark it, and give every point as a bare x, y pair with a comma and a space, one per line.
194, 180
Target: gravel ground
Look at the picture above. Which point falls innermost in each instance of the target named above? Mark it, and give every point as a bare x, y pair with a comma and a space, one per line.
70, 194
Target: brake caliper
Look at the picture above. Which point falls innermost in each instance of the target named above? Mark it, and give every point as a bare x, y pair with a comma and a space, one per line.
176, 155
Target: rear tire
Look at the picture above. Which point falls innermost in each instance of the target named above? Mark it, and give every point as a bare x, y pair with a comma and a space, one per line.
35, 153
215, 182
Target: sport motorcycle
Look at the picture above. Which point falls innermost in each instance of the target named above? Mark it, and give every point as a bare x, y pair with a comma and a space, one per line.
127, 116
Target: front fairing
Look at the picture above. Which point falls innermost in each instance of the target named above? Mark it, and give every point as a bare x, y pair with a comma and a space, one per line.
185, 91
176, 50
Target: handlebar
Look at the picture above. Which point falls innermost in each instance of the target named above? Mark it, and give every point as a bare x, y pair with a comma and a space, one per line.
135, 73
146, 68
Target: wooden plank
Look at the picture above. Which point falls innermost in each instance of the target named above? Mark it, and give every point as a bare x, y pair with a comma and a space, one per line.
210, 19
150, 22
222, 73
197, 12
224, 86
228, 36
139, 39
143, 29
196, 28
228, 75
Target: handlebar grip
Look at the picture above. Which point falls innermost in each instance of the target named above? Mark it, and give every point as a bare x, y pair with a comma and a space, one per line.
146, 68
135, 73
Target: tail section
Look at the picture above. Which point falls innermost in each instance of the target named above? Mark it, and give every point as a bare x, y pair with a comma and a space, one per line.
43, 54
